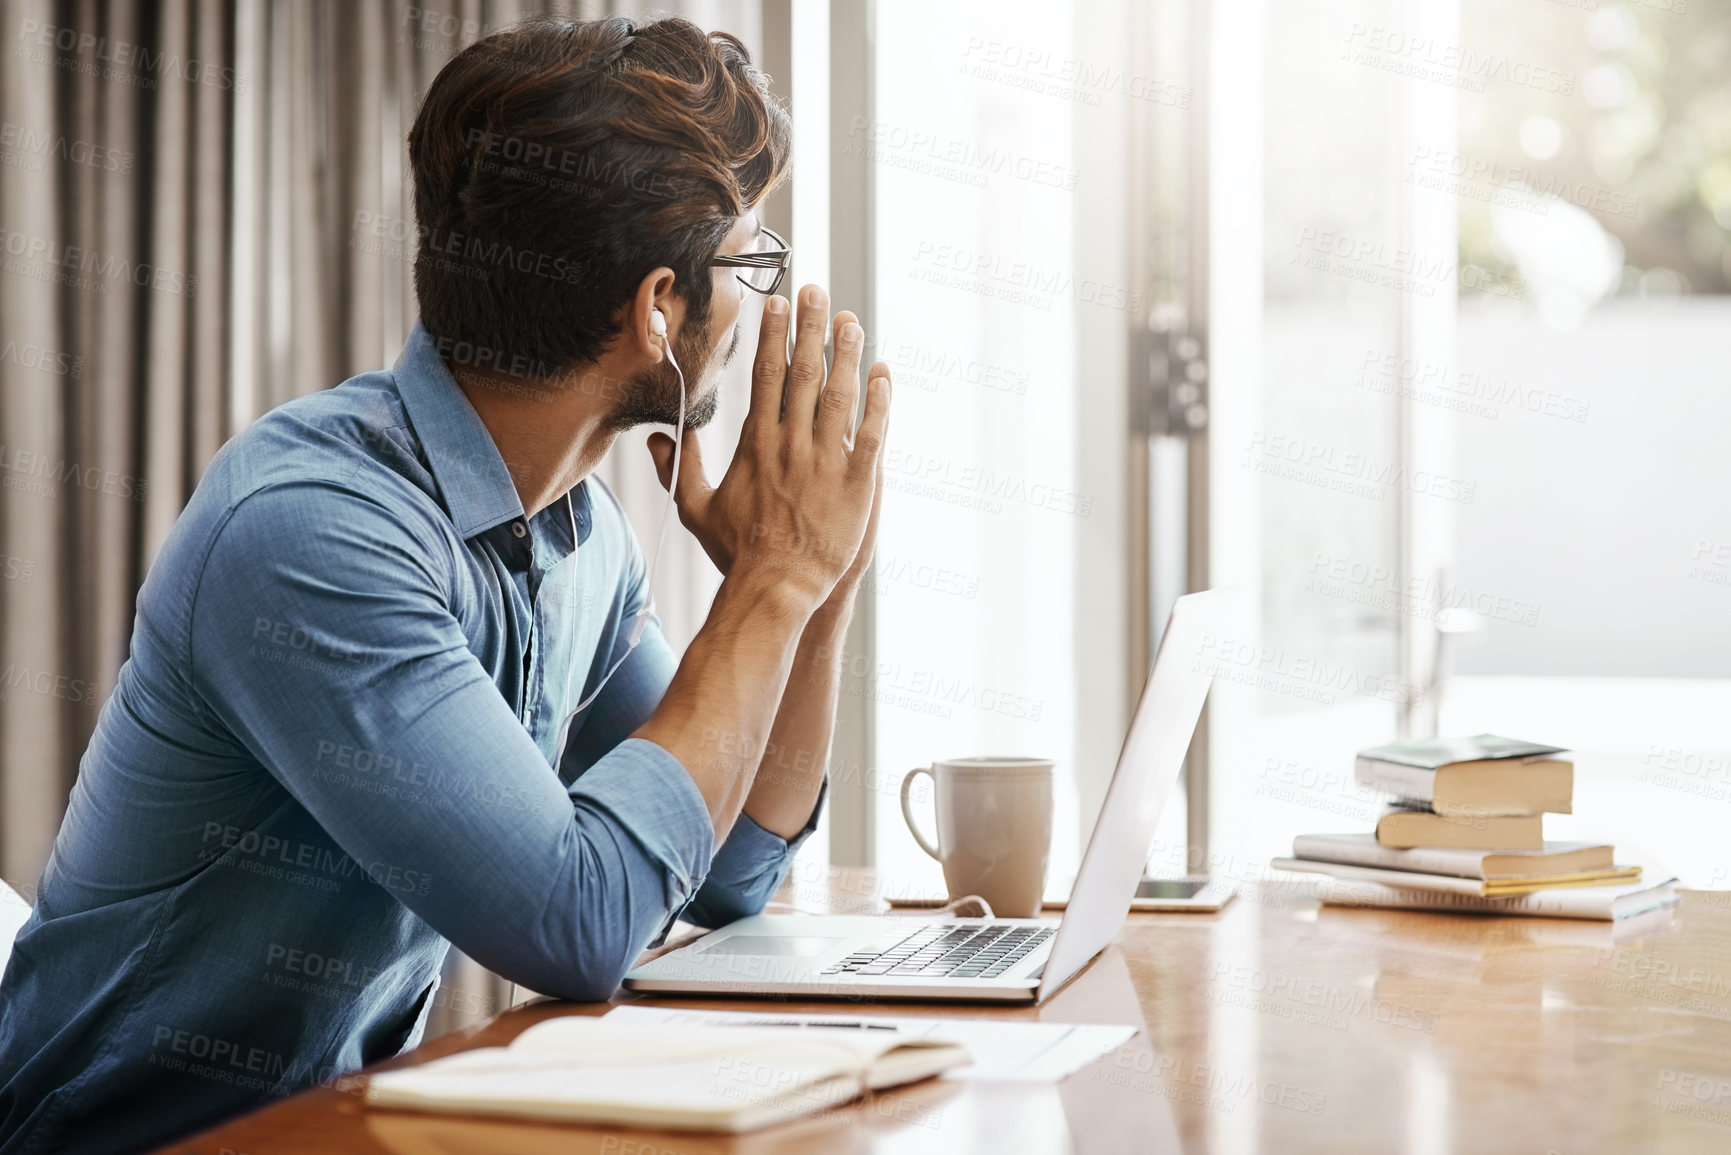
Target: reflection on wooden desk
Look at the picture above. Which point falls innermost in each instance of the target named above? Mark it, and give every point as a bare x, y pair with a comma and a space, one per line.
1275, 1026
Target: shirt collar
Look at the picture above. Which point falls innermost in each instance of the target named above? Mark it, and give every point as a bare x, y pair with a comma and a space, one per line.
472, 477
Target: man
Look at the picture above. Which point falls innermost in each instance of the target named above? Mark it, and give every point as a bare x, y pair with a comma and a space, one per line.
332, 752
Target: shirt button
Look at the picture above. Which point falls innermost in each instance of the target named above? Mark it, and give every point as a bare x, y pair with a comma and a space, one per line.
519, 529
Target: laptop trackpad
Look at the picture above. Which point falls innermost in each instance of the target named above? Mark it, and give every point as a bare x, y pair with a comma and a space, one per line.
765, 944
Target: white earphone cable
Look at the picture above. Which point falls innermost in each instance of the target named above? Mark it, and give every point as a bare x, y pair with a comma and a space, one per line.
641, 620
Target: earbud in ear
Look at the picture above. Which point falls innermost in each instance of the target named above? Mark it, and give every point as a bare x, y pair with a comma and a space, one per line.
658, 323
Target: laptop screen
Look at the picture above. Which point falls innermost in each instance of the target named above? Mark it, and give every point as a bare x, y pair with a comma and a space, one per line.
1148, 767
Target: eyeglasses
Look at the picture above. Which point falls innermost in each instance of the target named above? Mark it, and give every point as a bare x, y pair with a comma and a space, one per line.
765, 266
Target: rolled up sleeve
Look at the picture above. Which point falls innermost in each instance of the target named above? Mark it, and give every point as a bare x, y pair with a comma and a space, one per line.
751, 862
747, 869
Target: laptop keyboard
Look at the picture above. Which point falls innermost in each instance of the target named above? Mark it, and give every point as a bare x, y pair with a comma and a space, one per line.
971, 951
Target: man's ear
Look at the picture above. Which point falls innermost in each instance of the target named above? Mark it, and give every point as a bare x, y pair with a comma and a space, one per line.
654, 292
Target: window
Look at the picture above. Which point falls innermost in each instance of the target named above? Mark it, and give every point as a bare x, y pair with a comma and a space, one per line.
995, 145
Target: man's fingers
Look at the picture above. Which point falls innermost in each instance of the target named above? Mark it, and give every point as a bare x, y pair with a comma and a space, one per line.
835, 408
691, 478
868, 440
661, 452
769, 370
805, 370
869, 544
694, 489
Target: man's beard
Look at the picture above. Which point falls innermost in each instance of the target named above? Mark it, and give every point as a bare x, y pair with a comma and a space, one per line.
652, 397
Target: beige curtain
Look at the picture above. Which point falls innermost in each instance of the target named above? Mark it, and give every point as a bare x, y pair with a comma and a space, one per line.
187, 190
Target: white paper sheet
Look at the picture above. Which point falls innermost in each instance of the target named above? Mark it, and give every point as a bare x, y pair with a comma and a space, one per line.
1004, 1051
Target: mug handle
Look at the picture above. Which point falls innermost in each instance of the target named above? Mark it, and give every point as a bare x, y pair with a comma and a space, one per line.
908, 814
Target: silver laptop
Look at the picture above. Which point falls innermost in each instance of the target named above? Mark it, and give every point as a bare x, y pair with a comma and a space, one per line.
820, 956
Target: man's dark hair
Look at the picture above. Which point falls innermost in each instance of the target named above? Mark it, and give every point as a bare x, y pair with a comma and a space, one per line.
557, 162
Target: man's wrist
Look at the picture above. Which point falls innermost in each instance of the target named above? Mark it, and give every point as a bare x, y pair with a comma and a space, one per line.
833, 616
764, 590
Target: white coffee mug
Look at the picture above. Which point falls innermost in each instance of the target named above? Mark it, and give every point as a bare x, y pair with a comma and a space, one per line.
994, 828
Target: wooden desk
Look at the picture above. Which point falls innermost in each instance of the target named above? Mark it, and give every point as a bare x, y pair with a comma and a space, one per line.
1274, 1026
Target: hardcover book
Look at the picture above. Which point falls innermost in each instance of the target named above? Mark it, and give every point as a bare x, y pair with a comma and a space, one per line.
1454, 884
1480, 776
1496, 864
1603, 903
1409, 824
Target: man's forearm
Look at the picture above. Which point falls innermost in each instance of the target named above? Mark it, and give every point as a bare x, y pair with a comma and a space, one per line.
791, 773
802, 474
716, 715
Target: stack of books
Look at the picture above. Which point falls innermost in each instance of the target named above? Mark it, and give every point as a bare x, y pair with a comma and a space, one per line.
1465, 832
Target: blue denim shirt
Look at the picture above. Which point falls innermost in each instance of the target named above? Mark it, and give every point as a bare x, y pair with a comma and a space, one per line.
330, 755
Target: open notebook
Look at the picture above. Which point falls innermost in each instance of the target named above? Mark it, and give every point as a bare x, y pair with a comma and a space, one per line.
674, 1077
